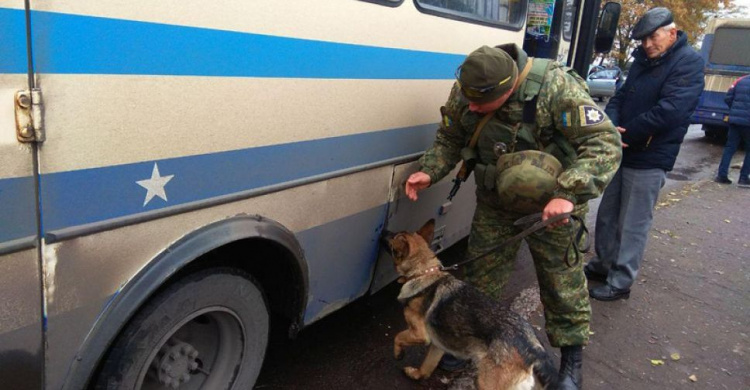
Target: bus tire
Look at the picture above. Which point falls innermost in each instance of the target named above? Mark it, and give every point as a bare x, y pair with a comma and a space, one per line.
208, 330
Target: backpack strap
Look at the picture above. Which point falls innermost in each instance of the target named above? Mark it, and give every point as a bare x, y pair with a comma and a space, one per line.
530, 93
535, 78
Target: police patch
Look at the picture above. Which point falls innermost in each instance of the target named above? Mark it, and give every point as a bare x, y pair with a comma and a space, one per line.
590, 115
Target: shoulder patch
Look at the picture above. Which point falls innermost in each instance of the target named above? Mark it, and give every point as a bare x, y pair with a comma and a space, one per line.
590, 115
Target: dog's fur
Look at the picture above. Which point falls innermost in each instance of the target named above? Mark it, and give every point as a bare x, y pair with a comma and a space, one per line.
452, 316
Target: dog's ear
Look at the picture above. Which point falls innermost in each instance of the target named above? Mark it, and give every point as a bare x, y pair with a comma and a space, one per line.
427, 231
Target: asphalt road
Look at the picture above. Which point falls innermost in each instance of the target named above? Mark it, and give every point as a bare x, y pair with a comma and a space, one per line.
685, 325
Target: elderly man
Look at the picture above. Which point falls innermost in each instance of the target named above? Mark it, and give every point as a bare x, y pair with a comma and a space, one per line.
513, 114
652, 112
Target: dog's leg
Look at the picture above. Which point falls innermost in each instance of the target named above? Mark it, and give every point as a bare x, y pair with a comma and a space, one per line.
415, 335
404, 339
428, 365
509, 373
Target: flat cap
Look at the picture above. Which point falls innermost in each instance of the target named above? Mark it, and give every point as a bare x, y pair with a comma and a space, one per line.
486, 74
650, 21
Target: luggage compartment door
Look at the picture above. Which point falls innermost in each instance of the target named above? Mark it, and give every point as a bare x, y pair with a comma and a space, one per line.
452, 218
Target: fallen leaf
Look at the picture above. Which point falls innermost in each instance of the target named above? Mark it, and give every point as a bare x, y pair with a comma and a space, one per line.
693, 378
675, 356
657, 362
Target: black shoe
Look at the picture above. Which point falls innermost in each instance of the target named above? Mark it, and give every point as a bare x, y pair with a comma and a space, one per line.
570, 377
744, 182
608, 293
722, 180
595, 276
451, 363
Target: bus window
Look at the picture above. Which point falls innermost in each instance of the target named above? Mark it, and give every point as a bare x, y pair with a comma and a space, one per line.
389, 3
569, 17
504, 13
728, 47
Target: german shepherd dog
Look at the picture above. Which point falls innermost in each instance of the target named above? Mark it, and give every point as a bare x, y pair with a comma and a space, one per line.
452, 316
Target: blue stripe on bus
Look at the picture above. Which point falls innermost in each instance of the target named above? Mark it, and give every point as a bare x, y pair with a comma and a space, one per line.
17, 208
12, 41
75, 44
80, 197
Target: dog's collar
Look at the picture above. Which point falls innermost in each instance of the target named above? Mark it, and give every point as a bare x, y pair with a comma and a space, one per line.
431, 270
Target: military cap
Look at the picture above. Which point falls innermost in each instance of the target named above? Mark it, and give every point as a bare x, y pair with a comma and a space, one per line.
650, 21
486, 74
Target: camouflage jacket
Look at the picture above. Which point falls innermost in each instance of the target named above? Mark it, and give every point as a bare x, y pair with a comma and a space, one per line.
563, 106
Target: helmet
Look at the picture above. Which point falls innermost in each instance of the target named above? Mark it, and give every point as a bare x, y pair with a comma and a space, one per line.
526, 180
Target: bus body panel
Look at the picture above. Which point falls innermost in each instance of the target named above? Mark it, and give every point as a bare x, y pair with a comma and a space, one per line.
21, 321
21, 357
162, 119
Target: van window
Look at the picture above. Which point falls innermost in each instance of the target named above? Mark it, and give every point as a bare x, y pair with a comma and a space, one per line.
502, 13
728, 46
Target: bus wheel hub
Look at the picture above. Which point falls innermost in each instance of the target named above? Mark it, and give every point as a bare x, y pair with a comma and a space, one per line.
176, 363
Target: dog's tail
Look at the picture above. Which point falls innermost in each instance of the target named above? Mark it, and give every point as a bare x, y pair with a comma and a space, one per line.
544, 369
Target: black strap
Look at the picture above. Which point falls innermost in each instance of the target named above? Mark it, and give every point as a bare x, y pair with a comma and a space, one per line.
538, 224
529, 111
582, 233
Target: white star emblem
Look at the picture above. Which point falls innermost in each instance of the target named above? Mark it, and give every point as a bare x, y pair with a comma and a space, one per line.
593, 115
155, 185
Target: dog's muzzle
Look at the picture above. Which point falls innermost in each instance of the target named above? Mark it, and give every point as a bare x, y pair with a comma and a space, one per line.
385, 237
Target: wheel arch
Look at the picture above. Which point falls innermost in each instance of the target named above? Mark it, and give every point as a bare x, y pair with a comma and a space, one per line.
235, 242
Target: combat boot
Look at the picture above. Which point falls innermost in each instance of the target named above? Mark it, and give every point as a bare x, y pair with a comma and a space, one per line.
570, 368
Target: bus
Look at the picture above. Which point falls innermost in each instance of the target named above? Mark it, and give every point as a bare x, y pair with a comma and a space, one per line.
726, 52
177, 179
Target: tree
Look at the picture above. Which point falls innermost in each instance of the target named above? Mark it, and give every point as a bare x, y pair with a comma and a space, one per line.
690, 17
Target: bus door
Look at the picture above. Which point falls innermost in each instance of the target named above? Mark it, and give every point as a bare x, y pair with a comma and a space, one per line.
21, 324
452, 218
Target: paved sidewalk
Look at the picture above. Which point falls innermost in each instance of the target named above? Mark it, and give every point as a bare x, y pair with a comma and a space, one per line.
687, 321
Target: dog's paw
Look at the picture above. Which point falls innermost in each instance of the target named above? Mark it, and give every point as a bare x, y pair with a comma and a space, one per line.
398, 353
413, 373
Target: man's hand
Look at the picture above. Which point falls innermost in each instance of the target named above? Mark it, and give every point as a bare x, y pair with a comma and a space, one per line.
622, 130
555, 207
417, 182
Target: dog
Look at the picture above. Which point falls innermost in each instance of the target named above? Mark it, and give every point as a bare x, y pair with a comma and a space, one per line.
454, 317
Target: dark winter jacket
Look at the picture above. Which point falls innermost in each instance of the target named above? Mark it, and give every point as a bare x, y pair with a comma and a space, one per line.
738, 100
655, 103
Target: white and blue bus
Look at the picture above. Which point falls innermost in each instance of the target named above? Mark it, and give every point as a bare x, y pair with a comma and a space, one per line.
726, 52
174, 174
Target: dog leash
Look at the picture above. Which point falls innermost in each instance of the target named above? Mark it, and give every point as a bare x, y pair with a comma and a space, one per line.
537, 225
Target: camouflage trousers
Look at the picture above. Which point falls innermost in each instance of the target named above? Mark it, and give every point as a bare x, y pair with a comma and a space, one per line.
563, 289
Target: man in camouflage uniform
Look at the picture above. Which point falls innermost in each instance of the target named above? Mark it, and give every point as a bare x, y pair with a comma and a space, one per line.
493, 82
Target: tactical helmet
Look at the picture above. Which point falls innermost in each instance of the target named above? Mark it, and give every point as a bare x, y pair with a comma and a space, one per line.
526, 180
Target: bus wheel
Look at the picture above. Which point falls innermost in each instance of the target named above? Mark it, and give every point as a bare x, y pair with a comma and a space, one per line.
206, 331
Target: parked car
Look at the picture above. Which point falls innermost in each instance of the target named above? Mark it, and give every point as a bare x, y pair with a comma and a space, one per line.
603, 83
